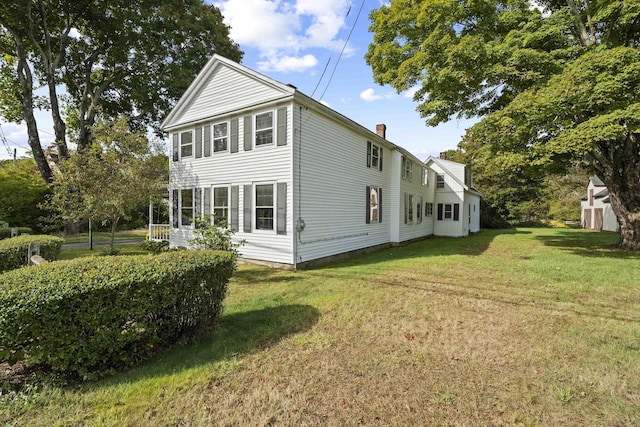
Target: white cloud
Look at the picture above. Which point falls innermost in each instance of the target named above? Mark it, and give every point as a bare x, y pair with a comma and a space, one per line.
369, 95
282, 30
288, 63
410, 92
74, 33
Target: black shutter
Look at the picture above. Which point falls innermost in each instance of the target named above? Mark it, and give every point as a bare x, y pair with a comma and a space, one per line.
380, 203
368, 217
176, 208
440, 211
406, 208
281, 205
282, 126
175, 147
368, 154
234, 135
380, 150
248, 143
246, 221
456, 211
198, 142
233, 221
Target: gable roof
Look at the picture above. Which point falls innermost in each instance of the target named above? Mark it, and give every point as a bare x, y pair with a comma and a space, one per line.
278, 92
442, 164
597, 182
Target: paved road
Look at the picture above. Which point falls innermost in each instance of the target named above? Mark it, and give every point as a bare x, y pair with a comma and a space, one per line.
86, 244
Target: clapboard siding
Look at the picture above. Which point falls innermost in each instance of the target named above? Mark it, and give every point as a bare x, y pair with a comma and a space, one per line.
268, 164
332, 176
421, 194
227, 91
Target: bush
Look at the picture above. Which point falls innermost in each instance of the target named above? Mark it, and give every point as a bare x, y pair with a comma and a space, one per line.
13, 252
90, 316
5, 233
155, 246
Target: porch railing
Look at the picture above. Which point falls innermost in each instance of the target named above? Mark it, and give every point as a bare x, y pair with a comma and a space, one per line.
159, 232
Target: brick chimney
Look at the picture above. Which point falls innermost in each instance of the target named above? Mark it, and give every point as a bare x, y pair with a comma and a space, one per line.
443, 155
381, 130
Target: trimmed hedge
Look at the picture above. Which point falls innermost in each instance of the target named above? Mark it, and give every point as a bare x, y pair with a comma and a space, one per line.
5, 233
90, 316
13, 252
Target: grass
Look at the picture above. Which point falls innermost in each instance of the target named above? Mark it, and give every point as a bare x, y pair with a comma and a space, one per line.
124, 249
523, 327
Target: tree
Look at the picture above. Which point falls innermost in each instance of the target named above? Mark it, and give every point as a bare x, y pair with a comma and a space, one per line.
552, 89
107, 181
21, 193
133, 57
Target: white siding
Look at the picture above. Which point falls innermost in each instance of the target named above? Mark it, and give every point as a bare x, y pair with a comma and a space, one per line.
472, 206
226, 91
268, 164
331, 179
421, 194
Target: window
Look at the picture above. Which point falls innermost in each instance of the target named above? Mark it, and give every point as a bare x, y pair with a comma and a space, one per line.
428, 209
374, 204
176, 148
264, 207
419, 211
374, 156
198, 142
206, 141
407, 169
264, 128
186, 144
425, 177
448, 211
440, 181
206, 201
221, 205
408, 208
220, 137
186, 206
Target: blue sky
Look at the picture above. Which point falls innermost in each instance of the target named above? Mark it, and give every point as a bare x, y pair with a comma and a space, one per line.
292, 41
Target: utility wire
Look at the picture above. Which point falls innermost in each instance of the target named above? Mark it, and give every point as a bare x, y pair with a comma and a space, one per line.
343, 48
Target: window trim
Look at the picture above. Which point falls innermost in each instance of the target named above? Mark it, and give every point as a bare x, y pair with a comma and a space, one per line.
181, 207
184, 145
370, 206
255, 207
255, 129
428, 209
213, 202
407, 169
440, 181
226, 137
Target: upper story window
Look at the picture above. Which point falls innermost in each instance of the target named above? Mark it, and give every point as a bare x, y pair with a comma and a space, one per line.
220, 137
440, 181
186, 144
374, 156
407, 169
264, 128
425, 177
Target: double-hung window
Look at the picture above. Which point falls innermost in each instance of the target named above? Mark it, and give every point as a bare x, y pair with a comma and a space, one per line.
407, 168
374, 156
264, 128
186, 144
440, 180
408, 208
449, 211
374, 205
428, 209
264, 206
221, 205
220, 137
186, 206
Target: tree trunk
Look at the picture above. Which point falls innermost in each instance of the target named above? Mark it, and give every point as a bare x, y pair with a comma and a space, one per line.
620, 172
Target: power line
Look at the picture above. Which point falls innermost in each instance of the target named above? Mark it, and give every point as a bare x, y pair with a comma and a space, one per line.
343, 48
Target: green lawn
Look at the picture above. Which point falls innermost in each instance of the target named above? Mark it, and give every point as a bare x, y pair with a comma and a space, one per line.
522, 327
105, 236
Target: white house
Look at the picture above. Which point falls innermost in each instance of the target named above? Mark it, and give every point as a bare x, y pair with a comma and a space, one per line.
299, 182
596, 212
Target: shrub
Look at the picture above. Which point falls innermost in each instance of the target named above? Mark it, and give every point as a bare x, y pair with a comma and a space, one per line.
13, 252
155, 246
90, 316
5, 232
